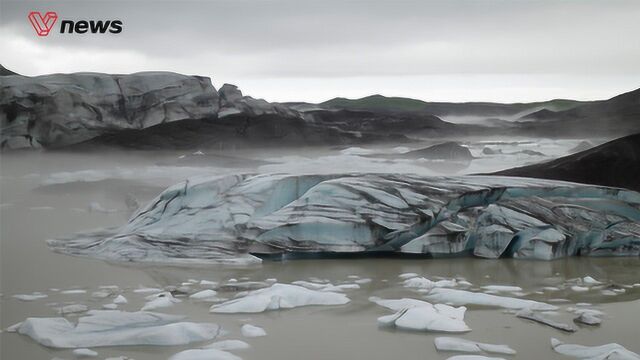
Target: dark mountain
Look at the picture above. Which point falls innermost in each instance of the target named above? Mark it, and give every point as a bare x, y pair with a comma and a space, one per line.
615, 163
4, 71
619, 115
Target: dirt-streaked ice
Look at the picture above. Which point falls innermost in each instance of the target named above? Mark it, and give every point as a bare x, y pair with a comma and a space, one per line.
412, 314
603, 352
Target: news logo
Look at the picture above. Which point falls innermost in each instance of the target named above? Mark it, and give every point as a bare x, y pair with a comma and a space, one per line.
43, 24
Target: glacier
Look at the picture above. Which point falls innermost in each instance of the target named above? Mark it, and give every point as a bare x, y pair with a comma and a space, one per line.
237, 219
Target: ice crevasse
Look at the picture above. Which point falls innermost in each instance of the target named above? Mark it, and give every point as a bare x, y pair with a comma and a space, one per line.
231, 219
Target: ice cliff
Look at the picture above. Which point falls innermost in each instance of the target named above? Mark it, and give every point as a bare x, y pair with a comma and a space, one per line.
63, 109
230, 219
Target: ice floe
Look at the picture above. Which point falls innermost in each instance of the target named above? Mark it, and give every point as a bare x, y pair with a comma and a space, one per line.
248, 330
30, 297
204, 295
464, 345
120, 299
116, 328
537, 317
463, 297
279, 296
412, 314
603, 352
72, 308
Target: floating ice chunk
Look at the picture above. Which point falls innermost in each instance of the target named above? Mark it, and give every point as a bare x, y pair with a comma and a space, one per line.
577, 288
146, 290
473, 357
161, 300
588, 280
279, 296
407, 275
603, 352
422, 316
110, 306
588, 319
534, 316
208, 283
13, 328
502, 288
463, 297
464, 345
120, 300
73, 308
73, 292
204, 354
204, 295
418, 283
249, 330
117, 328
30, 297
363, 281
84, 353
228, 345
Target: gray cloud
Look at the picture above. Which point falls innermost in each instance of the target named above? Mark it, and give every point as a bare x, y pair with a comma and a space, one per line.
331, 43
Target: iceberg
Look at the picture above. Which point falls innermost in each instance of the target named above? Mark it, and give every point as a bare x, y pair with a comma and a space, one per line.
279, 296
534, 316
117, 328
603, 352
464, 345
420, 315
234, 219
83, 353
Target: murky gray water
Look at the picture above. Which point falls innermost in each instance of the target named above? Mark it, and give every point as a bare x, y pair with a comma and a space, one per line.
31, 213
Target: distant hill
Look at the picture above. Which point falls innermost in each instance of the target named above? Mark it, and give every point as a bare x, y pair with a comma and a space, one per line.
615, 163
487, 109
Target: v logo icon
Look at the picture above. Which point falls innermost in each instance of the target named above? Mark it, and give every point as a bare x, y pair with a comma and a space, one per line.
42, 24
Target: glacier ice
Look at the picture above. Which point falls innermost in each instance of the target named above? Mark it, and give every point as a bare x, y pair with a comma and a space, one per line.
115, 328
229, 219
464, 345
279, 296
412, 314
603, 352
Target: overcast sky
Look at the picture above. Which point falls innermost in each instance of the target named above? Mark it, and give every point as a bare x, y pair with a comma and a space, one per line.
303, 50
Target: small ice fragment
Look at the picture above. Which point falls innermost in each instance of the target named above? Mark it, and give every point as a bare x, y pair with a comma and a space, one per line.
13, 328
588, 280
30, 297
418, 283
249, 330
73, 292
588, 319
464, 345
73, 308
363, 281
208, 283
534, 316
161, 300
120, 300
407, 275
84, 353
228, 345
473, 357
146, 290
204, 294
577, 288
204, 354
110, 306
502, 288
